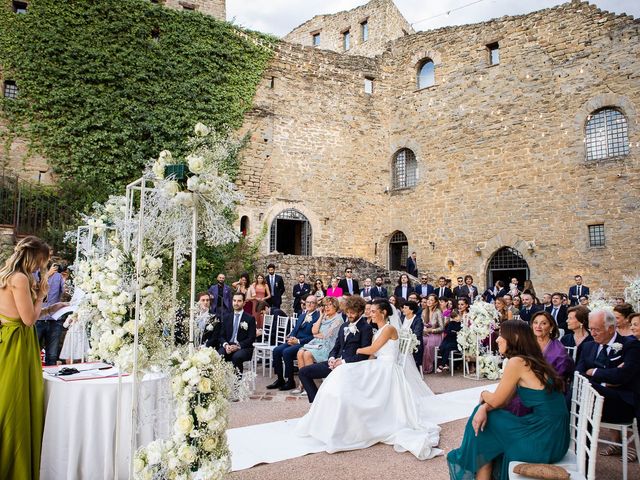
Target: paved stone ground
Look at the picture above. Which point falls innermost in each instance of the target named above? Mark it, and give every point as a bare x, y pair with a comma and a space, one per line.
379, 461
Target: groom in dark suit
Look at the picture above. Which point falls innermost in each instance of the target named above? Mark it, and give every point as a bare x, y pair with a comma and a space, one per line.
238, 334
353, 334
612, 363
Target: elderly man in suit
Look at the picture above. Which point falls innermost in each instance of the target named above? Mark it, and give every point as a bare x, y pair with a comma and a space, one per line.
353, 334
612, 364
237, 334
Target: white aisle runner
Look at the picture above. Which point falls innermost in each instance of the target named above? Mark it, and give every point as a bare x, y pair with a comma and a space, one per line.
274, 442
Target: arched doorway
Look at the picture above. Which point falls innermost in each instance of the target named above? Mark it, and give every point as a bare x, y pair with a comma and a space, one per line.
506, 264
244, 226
398, 251
290, 233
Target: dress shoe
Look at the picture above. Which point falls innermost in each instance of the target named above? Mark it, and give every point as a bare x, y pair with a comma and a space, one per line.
288, 386
277, 384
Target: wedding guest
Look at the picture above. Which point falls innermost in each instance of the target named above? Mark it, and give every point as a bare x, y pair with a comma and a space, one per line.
445, 308
404, 288
457, 293
348, 284
21, 387
379, 291
334, 290
442, 290
412, 265
513, 287
318, 289
353, 334
546, 300
265, 309
242, 286
208, 325
527, 287
578, 325
220, 296
498, 290
300, 292
469, 290
366, 291
393, 301
367, 311
258, 292
433, 326
528, 307
577, 290
635, 324
463, 309
546, 332
413, 297
584, 300
449, 342
49, 329
413, 323
276, 286
558, 311
501, 308
493, 436
623, 323
288, 352
238, 333
325, 333
423, 288
508, 300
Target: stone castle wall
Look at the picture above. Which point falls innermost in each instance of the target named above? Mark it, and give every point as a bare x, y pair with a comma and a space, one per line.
500, 149
214, 8
384, 21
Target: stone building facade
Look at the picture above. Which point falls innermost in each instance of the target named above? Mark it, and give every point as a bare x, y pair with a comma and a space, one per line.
495, 169
214, 8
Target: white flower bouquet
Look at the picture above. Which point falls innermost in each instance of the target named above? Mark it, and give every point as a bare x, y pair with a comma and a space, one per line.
632, 292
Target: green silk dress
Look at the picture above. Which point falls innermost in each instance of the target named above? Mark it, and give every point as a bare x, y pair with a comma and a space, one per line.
540, 437
21, 401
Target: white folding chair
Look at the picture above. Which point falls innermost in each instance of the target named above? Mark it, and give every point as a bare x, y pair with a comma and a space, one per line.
263, 350
572, 351
623, 428
454, 356
580, 460
404, 345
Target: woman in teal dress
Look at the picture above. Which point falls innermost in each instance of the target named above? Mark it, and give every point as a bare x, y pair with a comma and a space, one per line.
493, 436
21, 385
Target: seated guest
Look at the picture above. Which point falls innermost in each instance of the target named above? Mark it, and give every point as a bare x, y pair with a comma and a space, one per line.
558, 311
623, 323
501, 308
433, 326
325, 333
445, 308
334, 290
288, 352
404, 288
493, 436
237, 334
264, 308
528, 307
413, 323
353, 334
209, 327
578, 325
635, 324
463, 309
584, 300
450, 342
612, 363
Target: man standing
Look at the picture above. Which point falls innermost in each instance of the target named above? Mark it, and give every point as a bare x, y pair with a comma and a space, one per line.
379, 291
238, 334
288, 351
276, 286
457, 289
49, 329
349, 284
558, 311
577, 291
442, 290
469, 290
353, 334
366, 291
300, 291
220, 297
528, 308
423, 290
412, 265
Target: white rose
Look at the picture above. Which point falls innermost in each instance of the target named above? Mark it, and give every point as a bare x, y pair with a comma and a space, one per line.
202, 357
201, 130
210, 444
184, 198
171, 187
204, 385
193, 183
150, 290
203, 414
165, 157
129, 327
174, 463
191, 374
154, 454
184, 424
138, 465
187, 454
113, 342
196, 164
158, 170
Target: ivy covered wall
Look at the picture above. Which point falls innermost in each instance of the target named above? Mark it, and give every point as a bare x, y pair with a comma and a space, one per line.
105, 85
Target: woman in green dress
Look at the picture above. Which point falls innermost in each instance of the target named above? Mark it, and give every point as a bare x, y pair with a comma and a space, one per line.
493, 436
21, 386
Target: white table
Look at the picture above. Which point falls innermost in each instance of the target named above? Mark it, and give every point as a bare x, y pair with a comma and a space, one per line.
80, 425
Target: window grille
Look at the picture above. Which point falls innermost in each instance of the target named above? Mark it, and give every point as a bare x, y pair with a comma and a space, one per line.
10, 89
404, 169
606, 135
596, 235
306, 234
508, 258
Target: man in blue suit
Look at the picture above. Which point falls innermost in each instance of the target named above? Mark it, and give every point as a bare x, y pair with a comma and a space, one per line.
612, 364
424, 289
288, 351
220, 297
577, 291
300, 292
528, 307
353, 334
276, 286
379, 291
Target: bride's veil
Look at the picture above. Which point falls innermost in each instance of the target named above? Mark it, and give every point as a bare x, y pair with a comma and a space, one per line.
411, 372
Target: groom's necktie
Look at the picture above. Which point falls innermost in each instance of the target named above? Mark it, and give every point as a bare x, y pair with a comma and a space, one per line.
602, 358
236, 324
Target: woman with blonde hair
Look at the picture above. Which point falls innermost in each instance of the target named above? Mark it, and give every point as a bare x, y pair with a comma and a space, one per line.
21, 388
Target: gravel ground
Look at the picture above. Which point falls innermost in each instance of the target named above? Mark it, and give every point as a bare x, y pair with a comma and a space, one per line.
379, 461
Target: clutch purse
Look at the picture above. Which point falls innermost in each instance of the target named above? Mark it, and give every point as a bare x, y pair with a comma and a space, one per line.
542, 470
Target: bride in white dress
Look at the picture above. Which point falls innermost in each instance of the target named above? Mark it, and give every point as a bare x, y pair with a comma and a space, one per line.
363, 403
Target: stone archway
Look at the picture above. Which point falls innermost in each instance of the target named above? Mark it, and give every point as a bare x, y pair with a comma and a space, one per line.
290, 233
505, 264
398, 251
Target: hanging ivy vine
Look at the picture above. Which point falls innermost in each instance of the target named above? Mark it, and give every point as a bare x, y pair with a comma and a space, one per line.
105, 85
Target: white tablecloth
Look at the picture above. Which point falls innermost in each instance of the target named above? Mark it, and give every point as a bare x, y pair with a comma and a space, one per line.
80, 425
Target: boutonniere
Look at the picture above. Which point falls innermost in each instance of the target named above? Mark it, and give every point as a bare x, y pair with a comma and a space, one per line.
352, 328
616, 347
244, 325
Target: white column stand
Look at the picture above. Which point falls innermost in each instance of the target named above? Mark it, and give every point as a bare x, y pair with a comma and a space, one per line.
194, 251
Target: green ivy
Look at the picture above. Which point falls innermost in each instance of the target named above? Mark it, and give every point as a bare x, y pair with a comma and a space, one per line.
99, 96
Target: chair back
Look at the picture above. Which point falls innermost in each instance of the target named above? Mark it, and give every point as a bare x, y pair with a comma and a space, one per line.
267, 328
577, 392
588, 429
572, 351
560, 332
406, 344
281, 332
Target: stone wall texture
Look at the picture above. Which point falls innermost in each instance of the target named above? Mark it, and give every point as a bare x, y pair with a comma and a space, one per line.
500, 148
215, 8
384, 22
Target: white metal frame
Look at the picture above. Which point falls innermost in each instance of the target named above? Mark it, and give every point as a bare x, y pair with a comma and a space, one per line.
625, 441
452, 359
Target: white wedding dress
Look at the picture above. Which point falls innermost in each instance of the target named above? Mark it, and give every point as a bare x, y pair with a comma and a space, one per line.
377, 401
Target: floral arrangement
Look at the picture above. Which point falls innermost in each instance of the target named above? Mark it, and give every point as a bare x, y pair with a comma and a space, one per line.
632, 292
481, 321
202, 383
598, 301
490, 366
407, 336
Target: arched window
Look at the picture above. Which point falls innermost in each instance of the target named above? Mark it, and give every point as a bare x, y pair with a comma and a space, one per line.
606, 134
244, 226
404, 169
426, 74
398, 251
290, 233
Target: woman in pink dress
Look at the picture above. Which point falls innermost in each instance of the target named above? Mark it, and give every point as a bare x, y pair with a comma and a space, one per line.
433, 322
258, 291
334, 290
